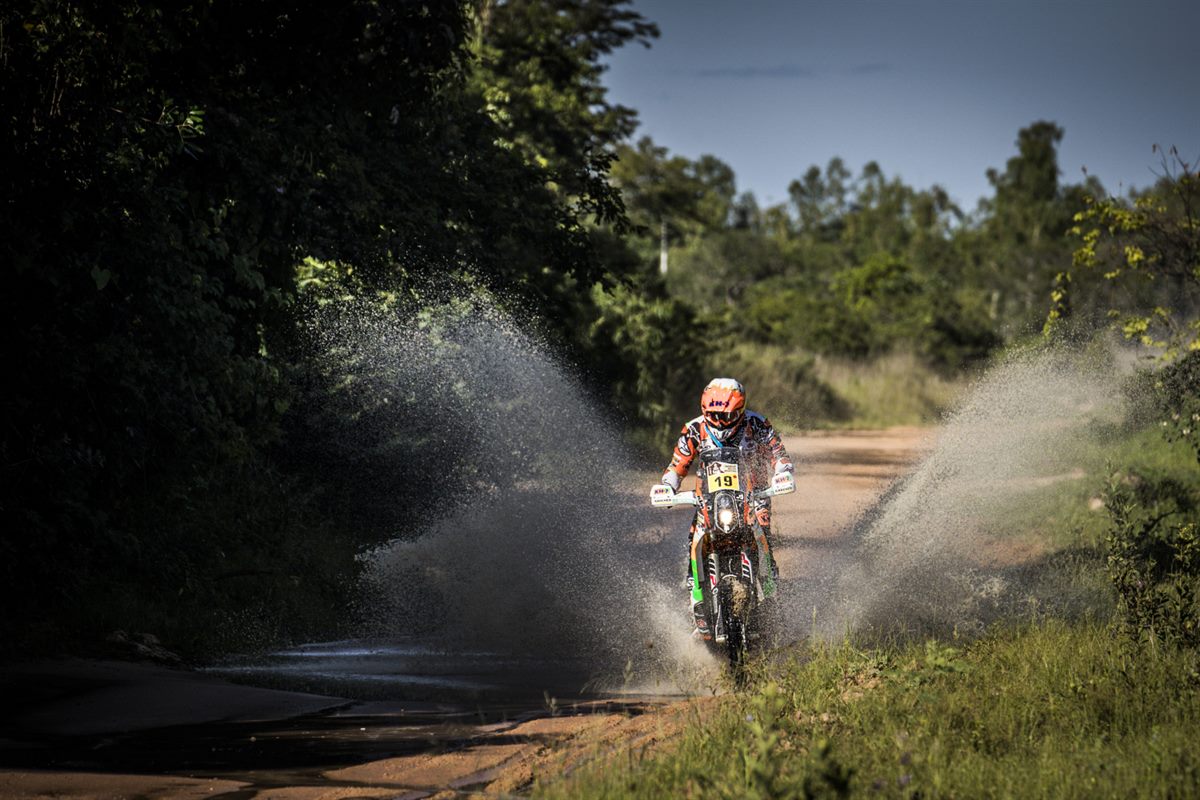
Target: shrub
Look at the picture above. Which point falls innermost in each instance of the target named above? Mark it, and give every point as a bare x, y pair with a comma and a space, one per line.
1154, 561
1178, 393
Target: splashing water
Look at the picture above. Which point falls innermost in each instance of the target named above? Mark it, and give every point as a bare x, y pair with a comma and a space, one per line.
923, 559
538, 538
535, 540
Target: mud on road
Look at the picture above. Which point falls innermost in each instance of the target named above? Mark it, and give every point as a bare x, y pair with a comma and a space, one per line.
79, 731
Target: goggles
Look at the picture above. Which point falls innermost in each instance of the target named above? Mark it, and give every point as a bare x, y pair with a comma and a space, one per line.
722, 419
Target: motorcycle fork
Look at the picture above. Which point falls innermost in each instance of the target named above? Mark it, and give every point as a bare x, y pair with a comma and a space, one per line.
714, 583
750, 572
715, 578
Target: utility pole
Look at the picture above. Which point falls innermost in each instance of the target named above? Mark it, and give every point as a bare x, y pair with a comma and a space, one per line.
662, 248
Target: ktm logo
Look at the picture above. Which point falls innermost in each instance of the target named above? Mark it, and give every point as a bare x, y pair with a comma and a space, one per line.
719, 403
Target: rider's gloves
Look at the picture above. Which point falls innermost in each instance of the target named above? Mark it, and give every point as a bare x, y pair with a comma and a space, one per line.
671, 478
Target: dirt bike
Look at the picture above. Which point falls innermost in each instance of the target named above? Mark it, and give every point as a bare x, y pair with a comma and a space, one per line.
731, 577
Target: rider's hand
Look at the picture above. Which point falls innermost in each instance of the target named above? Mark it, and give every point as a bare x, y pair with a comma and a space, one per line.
671, 478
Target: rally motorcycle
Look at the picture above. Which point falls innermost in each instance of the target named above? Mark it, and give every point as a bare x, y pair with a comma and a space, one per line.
731, 574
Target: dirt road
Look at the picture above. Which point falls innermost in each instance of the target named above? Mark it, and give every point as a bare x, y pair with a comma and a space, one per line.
839, 475
85, 735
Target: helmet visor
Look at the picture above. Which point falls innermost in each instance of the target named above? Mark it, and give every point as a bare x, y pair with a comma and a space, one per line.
722, 419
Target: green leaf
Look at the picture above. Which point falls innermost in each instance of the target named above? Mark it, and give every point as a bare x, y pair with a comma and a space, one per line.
101, 277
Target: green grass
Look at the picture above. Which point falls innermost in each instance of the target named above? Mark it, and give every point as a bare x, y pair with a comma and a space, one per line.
894, 389
1052, 710
1066, 512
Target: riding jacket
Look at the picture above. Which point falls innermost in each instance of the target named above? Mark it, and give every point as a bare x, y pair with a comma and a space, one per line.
756, 439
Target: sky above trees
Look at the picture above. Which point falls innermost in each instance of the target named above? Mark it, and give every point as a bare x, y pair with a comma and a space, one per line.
934, 91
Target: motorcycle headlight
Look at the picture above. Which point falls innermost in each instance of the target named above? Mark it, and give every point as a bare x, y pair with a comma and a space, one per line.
725, 512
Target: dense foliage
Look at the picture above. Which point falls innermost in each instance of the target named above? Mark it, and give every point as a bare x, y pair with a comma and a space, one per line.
167, 168
1147, 247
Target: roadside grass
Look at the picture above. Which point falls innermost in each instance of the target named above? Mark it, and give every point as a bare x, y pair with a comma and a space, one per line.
1066, 511
894, 389
1045, 710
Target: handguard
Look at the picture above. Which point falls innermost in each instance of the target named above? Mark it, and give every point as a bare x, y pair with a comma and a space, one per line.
782, 483
663, 496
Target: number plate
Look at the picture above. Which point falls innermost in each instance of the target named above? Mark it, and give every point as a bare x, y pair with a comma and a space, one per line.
723, 476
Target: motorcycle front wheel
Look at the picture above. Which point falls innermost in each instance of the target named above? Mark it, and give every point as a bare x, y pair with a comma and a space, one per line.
736, 602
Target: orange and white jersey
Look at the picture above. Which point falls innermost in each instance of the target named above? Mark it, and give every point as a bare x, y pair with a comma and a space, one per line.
756, 438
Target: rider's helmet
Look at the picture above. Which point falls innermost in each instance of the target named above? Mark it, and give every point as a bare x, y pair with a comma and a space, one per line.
723, 404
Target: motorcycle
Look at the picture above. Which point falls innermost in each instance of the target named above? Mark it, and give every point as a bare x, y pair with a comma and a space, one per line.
731, 574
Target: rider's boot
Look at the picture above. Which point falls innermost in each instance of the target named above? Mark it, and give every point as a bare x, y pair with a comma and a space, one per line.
770, 582
763, 514
699, 621
771, 552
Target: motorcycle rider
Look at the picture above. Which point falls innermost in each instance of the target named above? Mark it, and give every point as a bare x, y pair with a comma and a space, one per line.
725, 422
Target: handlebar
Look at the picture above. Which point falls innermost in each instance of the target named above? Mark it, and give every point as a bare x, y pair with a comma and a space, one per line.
663, 496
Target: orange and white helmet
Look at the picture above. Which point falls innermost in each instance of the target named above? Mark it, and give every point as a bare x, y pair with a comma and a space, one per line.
723, 404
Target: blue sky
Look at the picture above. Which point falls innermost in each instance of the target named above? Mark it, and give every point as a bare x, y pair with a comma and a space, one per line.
933, 91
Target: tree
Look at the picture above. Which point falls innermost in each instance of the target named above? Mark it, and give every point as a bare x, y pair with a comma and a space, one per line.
713, 272
165, 170
1020, 244
1027, 191
690, 197
888, 216
539, 71
181, 182
821, 200
1148, 249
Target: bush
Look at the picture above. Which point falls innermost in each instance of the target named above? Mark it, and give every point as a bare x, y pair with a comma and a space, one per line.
651, 352
1153, 559
1154, 540
1178, 394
